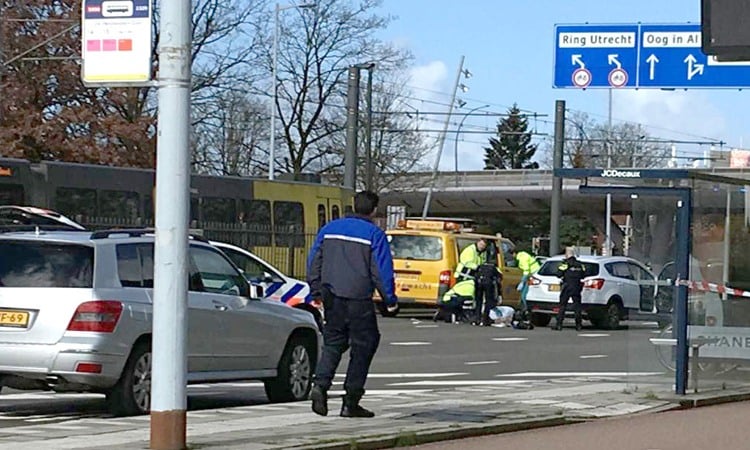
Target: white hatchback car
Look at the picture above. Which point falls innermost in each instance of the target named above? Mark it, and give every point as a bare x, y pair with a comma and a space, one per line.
76, 311
615, 288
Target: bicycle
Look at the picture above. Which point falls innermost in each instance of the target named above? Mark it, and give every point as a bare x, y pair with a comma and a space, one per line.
665, 352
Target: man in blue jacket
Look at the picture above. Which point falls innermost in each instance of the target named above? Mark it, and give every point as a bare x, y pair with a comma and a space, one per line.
350, 259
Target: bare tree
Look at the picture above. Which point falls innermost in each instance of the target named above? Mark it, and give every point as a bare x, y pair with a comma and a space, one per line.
317, 48
588, 144
231, 137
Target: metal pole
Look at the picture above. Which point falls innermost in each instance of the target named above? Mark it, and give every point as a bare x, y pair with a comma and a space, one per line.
169, 375
608, 224
352, 124
458, 134
442, 140
368, 135
274, 88
557, 162
727, 240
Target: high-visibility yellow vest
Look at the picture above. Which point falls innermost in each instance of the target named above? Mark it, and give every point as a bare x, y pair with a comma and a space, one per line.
468, 262
462, 289
527, 263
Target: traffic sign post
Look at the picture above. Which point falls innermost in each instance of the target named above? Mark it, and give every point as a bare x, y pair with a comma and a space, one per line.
116, 42
640, 56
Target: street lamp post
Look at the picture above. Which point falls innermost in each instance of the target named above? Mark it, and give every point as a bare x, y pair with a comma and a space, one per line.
272, 138
458, 133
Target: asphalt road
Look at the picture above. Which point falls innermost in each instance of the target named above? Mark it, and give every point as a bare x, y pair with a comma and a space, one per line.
719, 427
417, 354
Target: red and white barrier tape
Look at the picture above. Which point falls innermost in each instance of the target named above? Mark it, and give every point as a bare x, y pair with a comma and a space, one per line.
705, 286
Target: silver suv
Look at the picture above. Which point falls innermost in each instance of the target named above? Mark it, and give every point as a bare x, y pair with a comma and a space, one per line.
76, 315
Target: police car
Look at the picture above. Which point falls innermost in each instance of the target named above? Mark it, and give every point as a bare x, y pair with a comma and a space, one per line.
276, 285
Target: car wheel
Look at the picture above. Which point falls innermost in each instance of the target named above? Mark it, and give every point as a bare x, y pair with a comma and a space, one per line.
612, 316
132, 393
540, 320
295, 373
384, 310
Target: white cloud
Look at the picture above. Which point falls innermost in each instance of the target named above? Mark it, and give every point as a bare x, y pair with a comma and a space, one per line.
689, 114
429, 77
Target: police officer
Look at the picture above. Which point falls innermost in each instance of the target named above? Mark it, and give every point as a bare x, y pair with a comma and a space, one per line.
488, 277
468, 263
572, 273
350, 258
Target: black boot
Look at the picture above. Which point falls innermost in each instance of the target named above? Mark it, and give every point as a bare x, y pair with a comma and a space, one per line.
579, 326
558, 326
319, 400
351, 408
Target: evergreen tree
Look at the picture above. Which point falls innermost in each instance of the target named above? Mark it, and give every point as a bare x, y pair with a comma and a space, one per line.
512, 148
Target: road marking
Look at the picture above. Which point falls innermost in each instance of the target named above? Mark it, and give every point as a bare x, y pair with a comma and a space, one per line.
410, 375
411, 344
593, 334
592, 356
63, 427
578, 374
427, 326
510, 339
458, 383
480, 363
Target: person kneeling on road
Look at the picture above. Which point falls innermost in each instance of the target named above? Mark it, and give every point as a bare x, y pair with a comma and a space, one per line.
351, 258
451, 306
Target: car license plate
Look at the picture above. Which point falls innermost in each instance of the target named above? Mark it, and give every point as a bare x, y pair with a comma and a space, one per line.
554, 288
14, 319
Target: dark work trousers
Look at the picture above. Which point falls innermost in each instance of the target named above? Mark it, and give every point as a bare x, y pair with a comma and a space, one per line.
486, 294
349, 324
567, 293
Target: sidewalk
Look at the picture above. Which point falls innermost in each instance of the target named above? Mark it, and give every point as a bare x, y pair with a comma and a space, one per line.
405, 417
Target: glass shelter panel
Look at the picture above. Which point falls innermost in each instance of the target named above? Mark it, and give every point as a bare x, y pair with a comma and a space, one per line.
719, 295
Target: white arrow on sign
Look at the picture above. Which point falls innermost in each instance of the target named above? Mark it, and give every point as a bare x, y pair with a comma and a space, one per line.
576, 59
652, 60
612, 59
693, 69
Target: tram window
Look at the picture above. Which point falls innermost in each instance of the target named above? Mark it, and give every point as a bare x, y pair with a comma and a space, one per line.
11, 194
335, 214
257, 215
321, 216
219, 209
148, 207
195, 209
289, 224
119, 204
75, 201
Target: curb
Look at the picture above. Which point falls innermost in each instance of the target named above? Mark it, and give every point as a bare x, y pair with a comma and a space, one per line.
690, 403
442, 434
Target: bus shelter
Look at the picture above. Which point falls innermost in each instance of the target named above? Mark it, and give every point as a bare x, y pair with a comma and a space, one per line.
679, 273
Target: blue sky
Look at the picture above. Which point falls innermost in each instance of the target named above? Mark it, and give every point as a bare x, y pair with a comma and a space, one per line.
509, 48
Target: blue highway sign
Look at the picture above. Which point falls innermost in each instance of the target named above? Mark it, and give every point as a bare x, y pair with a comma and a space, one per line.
640, 56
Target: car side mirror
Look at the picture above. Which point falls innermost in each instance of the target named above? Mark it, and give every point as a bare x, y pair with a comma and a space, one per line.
267, 277
256, 291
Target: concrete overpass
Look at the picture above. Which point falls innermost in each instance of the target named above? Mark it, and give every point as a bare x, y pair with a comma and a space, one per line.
488, 192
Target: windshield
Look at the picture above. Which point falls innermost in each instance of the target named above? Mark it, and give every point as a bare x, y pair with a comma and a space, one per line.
43, 264
424, 248
549, 268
